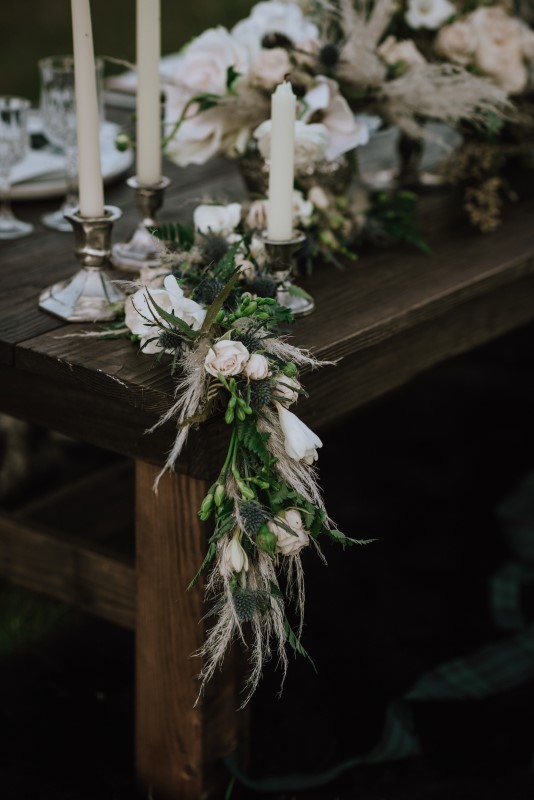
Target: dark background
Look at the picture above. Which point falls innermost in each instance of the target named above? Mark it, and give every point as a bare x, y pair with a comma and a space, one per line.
424, 470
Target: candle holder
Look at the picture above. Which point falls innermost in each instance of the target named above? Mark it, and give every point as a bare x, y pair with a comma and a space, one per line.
139, 250
280, 260
89, 296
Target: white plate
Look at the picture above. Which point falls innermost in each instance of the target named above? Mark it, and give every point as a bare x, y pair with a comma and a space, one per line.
40, 174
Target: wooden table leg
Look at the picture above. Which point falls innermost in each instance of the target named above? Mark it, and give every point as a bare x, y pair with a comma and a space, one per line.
179, 747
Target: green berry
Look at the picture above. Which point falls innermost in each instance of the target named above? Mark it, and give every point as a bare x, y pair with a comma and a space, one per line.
290, 370
219, 494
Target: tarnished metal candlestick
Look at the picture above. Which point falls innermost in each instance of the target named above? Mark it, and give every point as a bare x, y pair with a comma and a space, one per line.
139, 251
280, 260
89, 296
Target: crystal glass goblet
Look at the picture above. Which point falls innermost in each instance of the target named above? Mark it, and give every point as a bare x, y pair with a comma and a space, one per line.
13, 147
58, 115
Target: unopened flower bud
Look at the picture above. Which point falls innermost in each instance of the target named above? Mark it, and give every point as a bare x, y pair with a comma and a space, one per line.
266, 540
219, 494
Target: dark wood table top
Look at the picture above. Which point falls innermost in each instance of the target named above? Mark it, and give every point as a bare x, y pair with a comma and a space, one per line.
390, 315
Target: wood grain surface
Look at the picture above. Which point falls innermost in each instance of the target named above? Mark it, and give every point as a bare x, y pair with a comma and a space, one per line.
179, 745
76, 572
392, 314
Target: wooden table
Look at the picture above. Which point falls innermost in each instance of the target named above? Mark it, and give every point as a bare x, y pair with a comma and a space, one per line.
390, 316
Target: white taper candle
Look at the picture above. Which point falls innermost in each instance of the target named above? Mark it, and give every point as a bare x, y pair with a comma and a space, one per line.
148, 92
283, 113
91, 186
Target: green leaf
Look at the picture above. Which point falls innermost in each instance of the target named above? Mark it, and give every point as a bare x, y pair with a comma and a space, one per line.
275, 591
172, 319
212, 549
346, 540
297, 291
253, 440
219, 301
295, 643
174, 233
231, 76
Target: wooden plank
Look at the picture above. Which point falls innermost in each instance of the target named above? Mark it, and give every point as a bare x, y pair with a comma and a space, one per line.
93, 579
29, 265
101, 502
179, 746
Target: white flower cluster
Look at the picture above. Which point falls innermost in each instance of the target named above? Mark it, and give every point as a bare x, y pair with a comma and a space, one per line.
228, 358
500, 46
326, 128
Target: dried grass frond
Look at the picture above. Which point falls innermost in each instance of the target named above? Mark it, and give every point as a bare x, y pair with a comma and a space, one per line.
441, 92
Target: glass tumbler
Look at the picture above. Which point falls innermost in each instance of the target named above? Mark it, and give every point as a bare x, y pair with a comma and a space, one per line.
14, 141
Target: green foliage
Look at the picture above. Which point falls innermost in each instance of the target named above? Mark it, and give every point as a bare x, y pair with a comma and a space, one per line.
175, 235
394, 214
173, 320
296, 644
253, 441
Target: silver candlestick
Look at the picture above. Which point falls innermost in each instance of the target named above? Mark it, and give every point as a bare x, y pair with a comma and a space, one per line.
140, 250
280, 260
89, 296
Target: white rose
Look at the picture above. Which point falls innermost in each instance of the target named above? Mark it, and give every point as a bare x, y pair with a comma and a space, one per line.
139, 313
270, 68
289, 544
246, 267
274, 17
300, 442
428, 13
499, 52
205, 61
311, 142
457, 42
345, 131
257, 367
287, 389
257, 215
199, 137
393, 51
318, 198
226, 357
217, 219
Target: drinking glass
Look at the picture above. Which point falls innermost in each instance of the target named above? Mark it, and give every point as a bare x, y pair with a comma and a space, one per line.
58, 115
13, 146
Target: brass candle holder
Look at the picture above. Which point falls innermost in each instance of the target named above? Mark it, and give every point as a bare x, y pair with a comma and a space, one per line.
140, 250
90, 295
280, 260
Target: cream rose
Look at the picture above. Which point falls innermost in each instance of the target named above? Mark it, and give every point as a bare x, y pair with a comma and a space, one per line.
217, 219
457, 42
311, 142
289, 543
274, 17
393, 51
257, 367
199, 138
270, 68
499, 52
318, 198
287, 389
226, 357
428, 13
205, 61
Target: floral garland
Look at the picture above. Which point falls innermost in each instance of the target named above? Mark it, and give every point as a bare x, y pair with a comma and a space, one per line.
222, 327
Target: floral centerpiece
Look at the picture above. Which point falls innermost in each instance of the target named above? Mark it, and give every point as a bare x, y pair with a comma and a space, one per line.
212, 308
485, 38
350, 74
